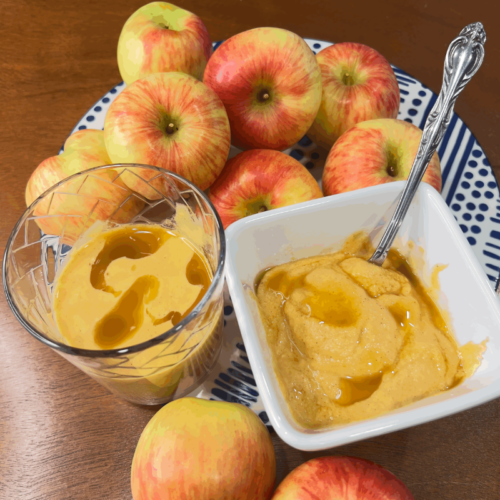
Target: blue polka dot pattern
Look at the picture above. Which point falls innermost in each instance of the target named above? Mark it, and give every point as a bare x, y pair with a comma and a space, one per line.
409, 120
317, 46
422, 93
472, 185
297, 154
310, 165
90, 118
315, 156
456, 207
228, 310
471, 240
112, 91
263, 416
416, 102
486, 162
105, 100
305, 141
97, 109
412, 112
82, 127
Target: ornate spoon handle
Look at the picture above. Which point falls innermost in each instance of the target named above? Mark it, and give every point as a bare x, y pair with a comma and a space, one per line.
463, 58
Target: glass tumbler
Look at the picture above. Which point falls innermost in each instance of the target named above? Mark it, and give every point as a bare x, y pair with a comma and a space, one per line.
154, 372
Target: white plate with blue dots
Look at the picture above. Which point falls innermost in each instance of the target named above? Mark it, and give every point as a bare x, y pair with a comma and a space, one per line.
469, 188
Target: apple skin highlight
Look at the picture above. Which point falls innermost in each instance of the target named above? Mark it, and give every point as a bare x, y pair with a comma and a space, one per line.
138, 123
194, 449
358, 85
270, 84
83, 150
341, 478
376, 152
160, 37
260, 180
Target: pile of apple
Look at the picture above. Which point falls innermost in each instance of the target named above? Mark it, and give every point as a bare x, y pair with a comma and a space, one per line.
262, 90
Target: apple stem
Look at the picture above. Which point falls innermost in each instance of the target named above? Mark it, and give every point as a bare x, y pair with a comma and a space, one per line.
170, 128
347, 79
263, 208
263, 96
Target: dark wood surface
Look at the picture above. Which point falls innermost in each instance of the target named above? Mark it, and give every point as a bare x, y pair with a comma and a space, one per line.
62, 436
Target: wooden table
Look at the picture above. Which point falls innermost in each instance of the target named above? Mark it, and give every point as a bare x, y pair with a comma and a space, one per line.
62, 436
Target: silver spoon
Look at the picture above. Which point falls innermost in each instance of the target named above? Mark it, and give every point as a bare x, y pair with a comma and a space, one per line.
463, 58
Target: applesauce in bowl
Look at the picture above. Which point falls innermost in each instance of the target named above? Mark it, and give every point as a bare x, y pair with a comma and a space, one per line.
135, 302
351, 340
429, 239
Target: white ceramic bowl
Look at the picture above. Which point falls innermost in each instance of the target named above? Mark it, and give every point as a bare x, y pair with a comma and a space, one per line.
306, 229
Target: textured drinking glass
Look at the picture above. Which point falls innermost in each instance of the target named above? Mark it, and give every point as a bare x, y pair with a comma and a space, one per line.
166, 367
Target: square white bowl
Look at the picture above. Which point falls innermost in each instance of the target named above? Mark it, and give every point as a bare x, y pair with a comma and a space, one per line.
321, 226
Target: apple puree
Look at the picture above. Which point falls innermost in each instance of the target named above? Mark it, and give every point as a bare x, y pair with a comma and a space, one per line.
128, 285
351, 340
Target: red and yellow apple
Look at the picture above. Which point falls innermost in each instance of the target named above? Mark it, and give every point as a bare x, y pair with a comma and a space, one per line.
341, 478
171, 121
160, 37
270, 84
96, 197
258, 180
358, 85
194, 449
375, 152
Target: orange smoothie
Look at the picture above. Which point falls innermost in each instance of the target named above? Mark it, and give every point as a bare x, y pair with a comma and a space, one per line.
128, 285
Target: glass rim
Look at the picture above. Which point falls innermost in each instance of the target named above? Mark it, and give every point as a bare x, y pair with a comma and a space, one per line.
115, 353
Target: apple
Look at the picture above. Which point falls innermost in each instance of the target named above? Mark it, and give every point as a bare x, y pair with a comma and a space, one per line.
341, 478
375, 152
194, 449
82, 150
270, 84
172, 121
358, 85
258, 180
160, 37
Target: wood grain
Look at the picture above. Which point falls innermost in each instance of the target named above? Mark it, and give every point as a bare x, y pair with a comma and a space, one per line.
62, 436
